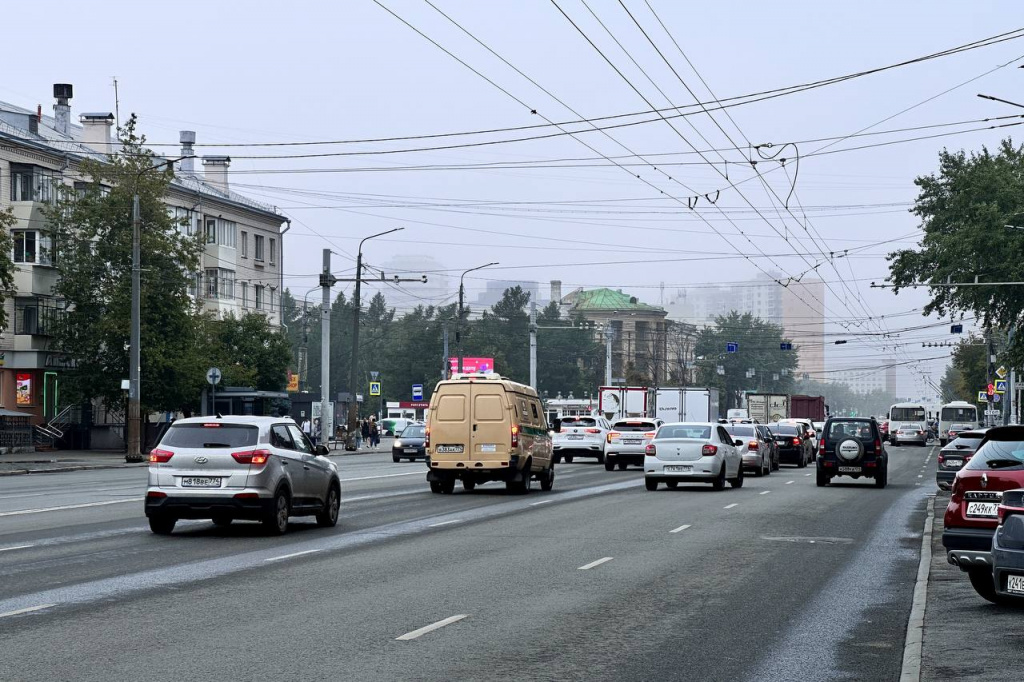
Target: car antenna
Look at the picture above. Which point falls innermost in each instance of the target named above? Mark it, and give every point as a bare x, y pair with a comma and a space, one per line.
219, 415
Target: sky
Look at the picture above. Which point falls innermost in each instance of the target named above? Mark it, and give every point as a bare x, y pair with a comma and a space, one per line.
240, 73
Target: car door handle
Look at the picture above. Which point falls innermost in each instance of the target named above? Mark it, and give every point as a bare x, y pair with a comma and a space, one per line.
284, 462
305, 467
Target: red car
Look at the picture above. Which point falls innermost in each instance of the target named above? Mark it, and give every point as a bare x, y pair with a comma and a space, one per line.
972, 514
884, 426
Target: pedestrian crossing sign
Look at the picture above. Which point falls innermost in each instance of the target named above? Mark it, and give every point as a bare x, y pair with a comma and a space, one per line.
374, 388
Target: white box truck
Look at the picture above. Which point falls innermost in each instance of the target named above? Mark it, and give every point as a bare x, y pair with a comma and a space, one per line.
686, 404
765, 408
619, 402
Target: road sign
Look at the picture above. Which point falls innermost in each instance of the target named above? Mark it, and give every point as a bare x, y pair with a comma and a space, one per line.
982, 397
213, 376
993, 413
996, 398
991, 390
417, 391
956, 329
1001, 386
732, 347
374, 376
785, 346
374, 388
1001, 372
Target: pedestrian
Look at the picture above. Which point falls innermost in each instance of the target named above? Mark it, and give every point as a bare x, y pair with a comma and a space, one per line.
315, 435
374, 433
365, 430
306, 427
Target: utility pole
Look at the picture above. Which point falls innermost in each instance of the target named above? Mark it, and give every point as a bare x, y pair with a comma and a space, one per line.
458, 322
608, 355
135, 356
533, 345
327, 280
304, 351
989, 370
445, 363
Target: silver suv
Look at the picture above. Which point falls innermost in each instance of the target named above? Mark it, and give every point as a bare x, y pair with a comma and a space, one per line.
226, 468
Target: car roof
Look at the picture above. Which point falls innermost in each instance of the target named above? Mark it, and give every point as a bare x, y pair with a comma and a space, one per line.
234, 419
692, 424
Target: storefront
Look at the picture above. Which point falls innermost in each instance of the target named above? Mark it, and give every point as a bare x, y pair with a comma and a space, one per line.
407, 410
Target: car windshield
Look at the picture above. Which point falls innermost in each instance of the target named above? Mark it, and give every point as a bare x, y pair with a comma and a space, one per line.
849, 429
413, 432
633, 426
210, 435
784, 430
579, 422
684, 431
740, 430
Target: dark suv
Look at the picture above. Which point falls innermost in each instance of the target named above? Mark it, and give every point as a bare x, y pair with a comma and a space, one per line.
852, 447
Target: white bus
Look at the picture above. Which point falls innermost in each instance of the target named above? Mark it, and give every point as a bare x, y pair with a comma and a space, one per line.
956, 412
905, 413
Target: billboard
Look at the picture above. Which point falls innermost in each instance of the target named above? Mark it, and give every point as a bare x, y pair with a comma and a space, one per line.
24, 389
472, 365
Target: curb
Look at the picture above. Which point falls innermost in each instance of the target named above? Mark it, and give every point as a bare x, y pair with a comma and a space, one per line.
912, 649
58, 470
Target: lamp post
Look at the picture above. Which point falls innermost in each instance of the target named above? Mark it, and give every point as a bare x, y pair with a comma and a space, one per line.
134, 436
458, 322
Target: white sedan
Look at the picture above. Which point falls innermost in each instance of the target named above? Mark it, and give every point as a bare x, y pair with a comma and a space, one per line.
692, 452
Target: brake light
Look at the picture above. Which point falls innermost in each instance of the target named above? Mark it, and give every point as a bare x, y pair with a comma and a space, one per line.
752, 445
593, 430
1005, 511
796, 441
942, 459
155, 494
821, 446
426, 437
651, 450
613, 434
212, 425
920, 433
252, 456
708, 450
650, 434
160, 456
515, 435
878, 446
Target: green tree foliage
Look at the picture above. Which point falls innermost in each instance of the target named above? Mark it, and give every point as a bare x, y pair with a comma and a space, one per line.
758, 349
569, 359
249, 351
503, 332
967, 373
964, 208
93, 236
7, 221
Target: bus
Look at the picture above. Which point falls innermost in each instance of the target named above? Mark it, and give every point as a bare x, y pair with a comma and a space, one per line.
905, 413
956, 412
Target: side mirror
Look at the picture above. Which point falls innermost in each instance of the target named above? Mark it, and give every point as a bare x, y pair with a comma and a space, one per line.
737, 442
322, 450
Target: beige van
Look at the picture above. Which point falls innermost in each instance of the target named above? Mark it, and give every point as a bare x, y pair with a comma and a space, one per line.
484, 427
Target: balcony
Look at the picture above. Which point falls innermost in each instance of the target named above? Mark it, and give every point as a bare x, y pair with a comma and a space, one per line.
37, 316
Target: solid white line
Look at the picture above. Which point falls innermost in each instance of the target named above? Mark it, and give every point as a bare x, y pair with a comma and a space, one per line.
30, 609
430, 628
444, 523
592, 564
370, 478
730, 506
790, 482
765, 492
9, 549
534, 504
295, 554
680, 528
911, 671
21, 512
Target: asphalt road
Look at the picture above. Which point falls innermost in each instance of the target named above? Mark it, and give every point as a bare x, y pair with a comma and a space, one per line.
597, 580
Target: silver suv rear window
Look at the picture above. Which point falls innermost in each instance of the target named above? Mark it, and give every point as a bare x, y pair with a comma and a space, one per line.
579, 421
633, 426
211, 435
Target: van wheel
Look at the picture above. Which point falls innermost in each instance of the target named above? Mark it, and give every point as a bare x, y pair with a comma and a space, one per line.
468, 484
435, 486
448, 487
548, 482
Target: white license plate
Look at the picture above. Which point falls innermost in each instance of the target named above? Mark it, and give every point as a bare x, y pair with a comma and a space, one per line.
849, 470
1015, 584
410, 451
678, 469
450, 449
200, 482
633, 441
954, 463
574, 437
984, 509
488, 447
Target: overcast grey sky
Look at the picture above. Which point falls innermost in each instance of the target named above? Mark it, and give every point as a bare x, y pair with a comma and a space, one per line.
247, 72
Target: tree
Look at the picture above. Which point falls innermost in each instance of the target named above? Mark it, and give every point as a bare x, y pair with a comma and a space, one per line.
503, 332
965, 209
968, 372
7, 221
249, 351
569, 359
758, 350
92, 230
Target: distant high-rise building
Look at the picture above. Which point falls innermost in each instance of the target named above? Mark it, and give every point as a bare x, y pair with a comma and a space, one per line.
438, 291
494, 290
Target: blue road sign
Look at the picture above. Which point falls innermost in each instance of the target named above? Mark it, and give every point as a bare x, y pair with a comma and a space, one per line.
732, 347
417, 391
785, 346
996, 398
1001, 385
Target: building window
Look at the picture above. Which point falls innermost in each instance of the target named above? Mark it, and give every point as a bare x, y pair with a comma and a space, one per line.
245, 244
259, 296
211, 230
245, 293
38, 315
211, 282
273, 250
24, 246
227, 284
270, 294
258, 250
226, 233
32, 183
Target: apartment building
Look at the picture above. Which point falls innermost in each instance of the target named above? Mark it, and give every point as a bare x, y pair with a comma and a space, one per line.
242, 263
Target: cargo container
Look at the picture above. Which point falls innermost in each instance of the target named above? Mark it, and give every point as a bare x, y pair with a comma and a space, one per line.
686, 404
765, 408
619, 402
807, 407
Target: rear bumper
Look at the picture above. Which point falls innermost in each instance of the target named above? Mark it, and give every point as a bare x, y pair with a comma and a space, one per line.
631, 456
968, 548
703, 470
1006, 562
479, 471
752, 461
944, 479
790, 455
587, 446
208, 506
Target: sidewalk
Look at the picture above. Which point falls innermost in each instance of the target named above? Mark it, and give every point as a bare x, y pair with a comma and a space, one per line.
965, 637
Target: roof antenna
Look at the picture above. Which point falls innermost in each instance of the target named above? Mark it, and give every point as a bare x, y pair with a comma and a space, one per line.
219, 415
117, 105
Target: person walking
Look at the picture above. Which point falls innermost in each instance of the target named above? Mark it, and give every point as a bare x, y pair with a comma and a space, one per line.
307, 428
374, 433
365, 430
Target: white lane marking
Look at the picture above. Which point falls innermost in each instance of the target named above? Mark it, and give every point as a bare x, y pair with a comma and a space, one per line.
730, 506
806, 474
293, 555
370, 478
534, 504
21, 512
444, 523
920, 476
790, 482
765, 492
430, 628
680, 528
30, 609
10, 549
592, 564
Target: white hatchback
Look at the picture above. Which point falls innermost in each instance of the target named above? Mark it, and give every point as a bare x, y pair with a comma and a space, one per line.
692, 451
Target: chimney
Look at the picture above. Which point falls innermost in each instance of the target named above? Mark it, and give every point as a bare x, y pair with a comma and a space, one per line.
96, 130
187, 139
215, 169
33, 124
556, 291
62, 110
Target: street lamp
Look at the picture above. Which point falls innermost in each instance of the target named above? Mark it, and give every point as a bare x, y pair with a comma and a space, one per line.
135, 355
462, 291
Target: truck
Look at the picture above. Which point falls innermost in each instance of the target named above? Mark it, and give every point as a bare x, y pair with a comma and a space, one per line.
686, 404
807, 407
765, 408
619, 402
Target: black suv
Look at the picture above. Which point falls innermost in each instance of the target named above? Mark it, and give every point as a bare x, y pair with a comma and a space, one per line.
852, 447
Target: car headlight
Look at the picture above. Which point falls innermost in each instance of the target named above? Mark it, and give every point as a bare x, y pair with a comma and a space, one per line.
398, 443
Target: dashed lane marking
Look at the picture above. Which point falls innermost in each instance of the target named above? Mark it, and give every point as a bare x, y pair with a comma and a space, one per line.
789, 482
730, 506
293, 555
765, 492
430, 628
680, 528
21, 512
30, 609
444, 523
11, 549
593, 564
535, 504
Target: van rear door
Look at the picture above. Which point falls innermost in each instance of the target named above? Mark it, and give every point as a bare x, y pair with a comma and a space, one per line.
449, 424
491, 435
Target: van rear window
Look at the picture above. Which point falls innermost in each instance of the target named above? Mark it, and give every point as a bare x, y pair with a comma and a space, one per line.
451, 408
216, 435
